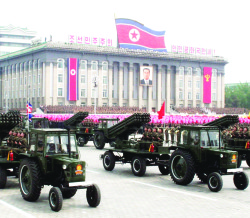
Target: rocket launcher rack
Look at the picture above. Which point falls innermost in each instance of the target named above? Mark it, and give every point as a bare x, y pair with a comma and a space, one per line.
7, 122
75, 120
224, 122
128, 126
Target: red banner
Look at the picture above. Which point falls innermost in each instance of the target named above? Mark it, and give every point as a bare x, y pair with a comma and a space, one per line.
72, 79
207, 78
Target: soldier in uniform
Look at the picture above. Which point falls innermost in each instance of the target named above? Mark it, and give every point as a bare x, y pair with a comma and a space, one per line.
234, 133
154, 134
245, 133
240, 133
166, 134
160, 137
149, 135
144, 135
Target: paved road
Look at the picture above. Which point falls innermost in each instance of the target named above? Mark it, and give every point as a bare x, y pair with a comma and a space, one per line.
125, 195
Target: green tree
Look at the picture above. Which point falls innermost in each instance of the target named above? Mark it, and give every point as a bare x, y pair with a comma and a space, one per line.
238, 96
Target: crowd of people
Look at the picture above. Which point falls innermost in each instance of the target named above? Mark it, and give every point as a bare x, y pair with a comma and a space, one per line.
237, 131
62, 109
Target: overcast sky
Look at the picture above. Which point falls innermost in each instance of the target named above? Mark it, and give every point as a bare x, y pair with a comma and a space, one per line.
218, 24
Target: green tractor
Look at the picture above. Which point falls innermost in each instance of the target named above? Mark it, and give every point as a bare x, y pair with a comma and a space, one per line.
124, 149
200, 150
53, 159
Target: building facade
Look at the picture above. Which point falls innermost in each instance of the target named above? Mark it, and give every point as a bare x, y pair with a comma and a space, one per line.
14, 38
107, 76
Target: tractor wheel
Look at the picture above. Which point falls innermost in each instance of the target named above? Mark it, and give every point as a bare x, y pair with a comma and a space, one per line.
29, 180
239, 160
241, 180
215, 182
68, 193
108, 161
248, 159
164, 169
3, 177
99, 140
93, 195
182, 167
55, 199
138, 166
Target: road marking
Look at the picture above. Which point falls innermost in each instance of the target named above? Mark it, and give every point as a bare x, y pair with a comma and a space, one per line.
91, 171
27, 215
177, 191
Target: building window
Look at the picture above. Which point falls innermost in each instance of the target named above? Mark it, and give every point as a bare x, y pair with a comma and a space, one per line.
198, 72
189, 71
104, 93
83, 104
83, 65
34, 78
197, 95
181, 71
105, 66
189, 95
213, 96
39, 78
189, 84
60, 92
83, 79
83, 93
94, 65
60, 78
181, 95
105, 80
34, 92
60, 63
38, 92
198, 84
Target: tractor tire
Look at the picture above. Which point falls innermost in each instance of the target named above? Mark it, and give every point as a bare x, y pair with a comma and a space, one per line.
93, 195
138, 166
55, 199
108, 161
99, 140
29, 180
68, 193
182, 168
214, 182
241, 180
3, 177
164, 169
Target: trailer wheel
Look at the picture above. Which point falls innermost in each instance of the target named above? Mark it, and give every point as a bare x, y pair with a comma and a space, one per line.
241, 180
93, 195
108, 161
29, 180
138, 166
3, 177
215, 182
182, 167
99, 140
55, 199
164, 169
68, 193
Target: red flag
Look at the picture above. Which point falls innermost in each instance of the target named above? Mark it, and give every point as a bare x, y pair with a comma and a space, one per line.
161, 112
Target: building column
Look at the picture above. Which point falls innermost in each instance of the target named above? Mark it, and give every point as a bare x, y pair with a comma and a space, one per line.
177, 101
90, 84
185, 87
110, 72
194, 87
120, 85
130, 85
219, 90
100, 85
168, 89
159, 88
222, 89
201, 79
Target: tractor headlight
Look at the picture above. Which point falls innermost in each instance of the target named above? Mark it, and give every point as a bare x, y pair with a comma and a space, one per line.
221, 155
64, 166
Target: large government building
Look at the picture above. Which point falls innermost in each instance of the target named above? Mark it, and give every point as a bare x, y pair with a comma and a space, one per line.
48, 74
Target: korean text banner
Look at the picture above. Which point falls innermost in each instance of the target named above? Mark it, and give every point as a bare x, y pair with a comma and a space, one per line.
207, 76
72, 79
134, 35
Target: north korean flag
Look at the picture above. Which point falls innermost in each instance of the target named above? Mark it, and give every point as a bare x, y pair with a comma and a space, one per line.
134, 35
